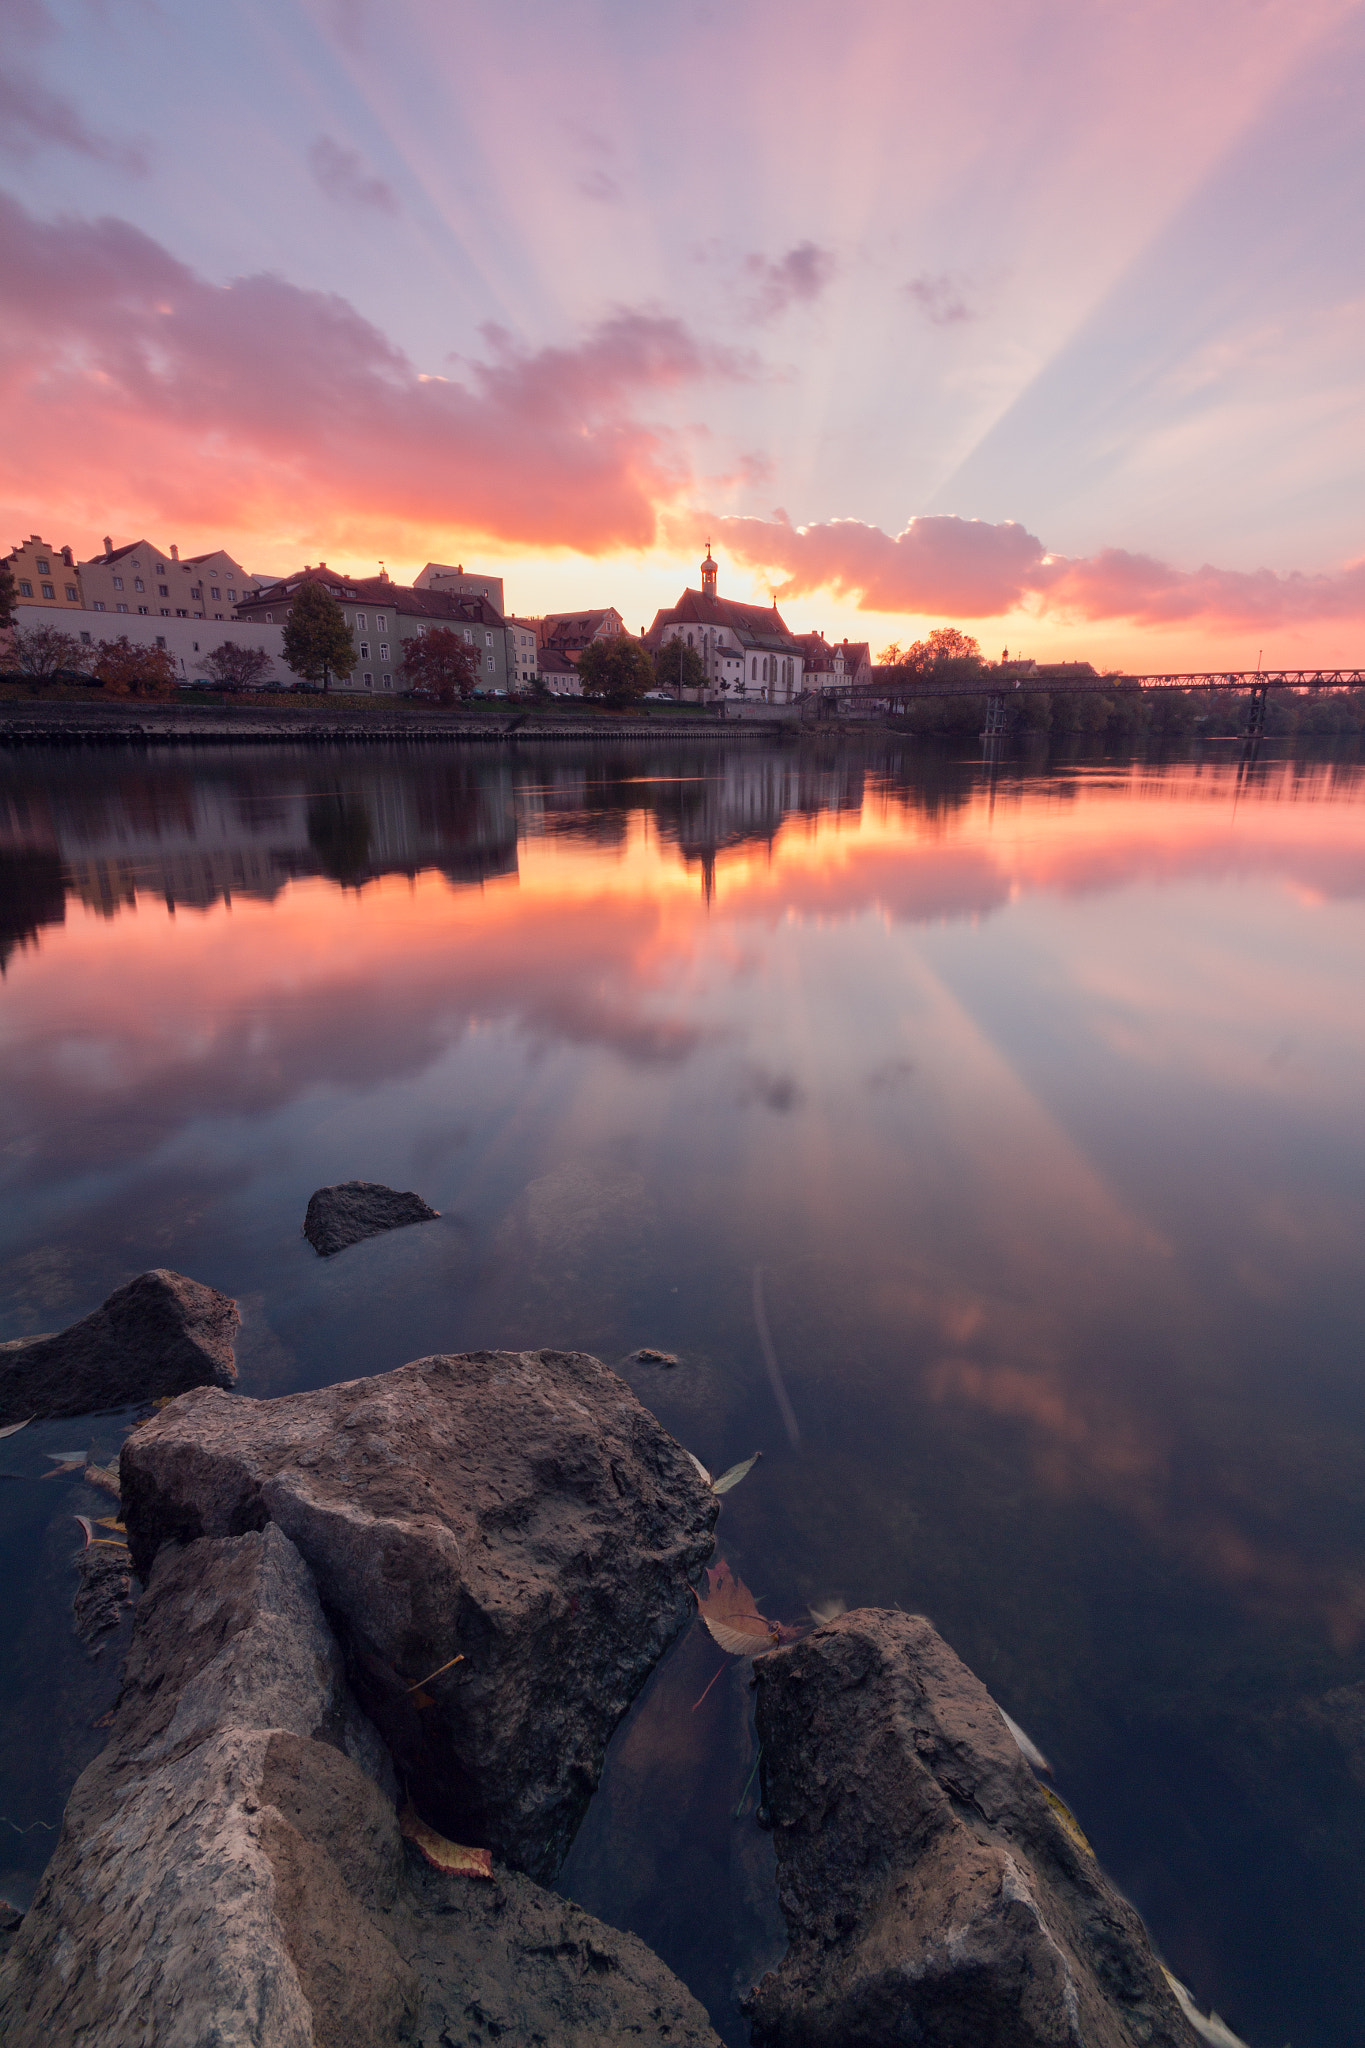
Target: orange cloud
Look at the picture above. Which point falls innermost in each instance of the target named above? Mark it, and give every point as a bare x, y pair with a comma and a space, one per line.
130, 381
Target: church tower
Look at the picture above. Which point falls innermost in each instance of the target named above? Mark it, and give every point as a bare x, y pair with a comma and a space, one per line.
708, 574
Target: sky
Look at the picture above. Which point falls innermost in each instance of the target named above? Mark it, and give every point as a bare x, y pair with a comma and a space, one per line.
1043, 318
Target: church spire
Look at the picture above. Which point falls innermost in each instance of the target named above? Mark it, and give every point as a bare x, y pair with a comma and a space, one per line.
708, 574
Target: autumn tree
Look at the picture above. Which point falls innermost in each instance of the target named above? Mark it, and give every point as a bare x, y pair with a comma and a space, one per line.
679, 668
234, 667
617, 671
130, 669
947, 656
440, 663
45, 651
317, 640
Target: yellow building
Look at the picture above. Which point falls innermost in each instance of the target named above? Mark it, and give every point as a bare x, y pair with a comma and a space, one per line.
45, 575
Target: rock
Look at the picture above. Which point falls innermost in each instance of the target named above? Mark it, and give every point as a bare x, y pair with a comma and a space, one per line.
178, 1894
520, 1511
104, 1593
932, 1894
159, 1335
230, 1869
647, 1355
354, 1209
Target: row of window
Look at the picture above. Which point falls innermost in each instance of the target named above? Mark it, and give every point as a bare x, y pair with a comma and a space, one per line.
73, 595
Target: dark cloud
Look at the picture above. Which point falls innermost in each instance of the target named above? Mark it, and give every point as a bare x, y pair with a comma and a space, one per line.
31, 117
343, 175
798, 278
942, 299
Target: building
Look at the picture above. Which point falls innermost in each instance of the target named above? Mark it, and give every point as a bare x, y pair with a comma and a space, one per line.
45, 576
570, 632
143, 581
382, 615
559, 674
745, 649
460, 582
832, 665
523, 637
187, 641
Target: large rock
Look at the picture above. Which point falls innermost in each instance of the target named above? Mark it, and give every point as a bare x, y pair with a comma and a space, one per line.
932, 1893
159, 1335
518, 1510
230, 1869
355, 1209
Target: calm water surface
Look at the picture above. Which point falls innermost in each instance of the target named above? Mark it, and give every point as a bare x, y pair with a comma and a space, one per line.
1033, 1095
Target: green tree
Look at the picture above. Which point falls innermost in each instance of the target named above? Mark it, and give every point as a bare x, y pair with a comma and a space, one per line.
132, 670
440, 663
679, 668
8, 595
317, 640
618, 671
45, 651
235, 667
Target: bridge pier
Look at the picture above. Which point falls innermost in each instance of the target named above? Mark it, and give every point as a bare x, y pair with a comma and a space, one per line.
997, 719
1255, 728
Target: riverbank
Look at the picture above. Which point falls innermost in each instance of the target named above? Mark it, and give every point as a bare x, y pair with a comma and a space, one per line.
58, 721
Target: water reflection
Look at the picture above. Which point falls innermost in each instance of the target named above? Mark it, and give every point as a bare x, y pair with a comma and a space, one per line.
1034, 1090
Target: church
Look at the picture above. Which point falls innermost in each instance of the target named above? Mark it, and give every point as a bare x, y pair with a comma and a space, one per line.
745, 649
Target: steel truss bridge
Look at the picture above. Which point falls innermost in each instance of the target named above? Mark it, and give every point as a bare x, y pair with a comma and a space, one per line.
998, 690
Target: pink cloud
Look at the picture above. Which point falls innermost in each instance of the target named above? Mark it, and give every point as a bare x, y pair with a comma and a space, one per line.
969, 568
798, 277
342, 174
256, 402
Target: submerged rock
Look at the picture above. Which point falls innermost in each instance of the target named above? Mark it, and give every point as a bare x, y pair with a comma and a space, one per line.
519, 1512
159, 1335
932, 1892
355, 1209
230, 1868
104, 1593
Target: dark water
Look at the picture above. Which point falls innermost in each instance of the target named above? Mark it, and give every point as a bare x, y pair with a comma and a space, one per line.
1036, 1097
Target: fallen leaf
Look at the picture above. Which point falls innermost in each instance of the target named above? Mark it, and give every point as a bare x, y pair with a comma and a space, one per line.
1067, 1818
827, 1610
1212, 2029
441, 1854
89, 1528
1029, 1748
418, 1683
734, 1474
105, 1720
105, 1477
112, 1522
11, 1428
64, 1463
706, 1476
727, 1607
421, 1699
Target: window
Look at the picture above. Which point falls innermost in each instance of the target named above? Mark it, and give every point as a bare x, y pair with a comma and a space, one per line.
488, 661
99, 606
381, 624
388, 682
689, 639
488, 638
163, 589
181, 614
214, 591
48, 591
72, 594
755, 669
364, 650
232, 595
161, 568
199, 615
118, 583
43, 566
25, 589
161, 640
270, 618
85, 638
196, 590
195, 645
142, 611
383, 654
138, 583
117, 607
218, 615
165, 611
360, 622
369, 681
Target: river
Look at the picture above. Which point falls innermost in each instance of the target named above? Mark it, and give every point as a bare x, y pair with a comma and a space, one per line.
985, 1139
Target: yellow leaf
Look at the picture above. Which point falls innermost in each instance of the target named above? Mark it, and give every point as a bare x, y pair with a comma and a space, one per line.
727, 1608
441, 1854
1067, 1818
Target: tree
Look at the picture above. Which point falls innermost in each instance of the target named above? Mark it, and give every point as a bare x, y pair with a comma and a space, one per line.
618, 671
239, 668
440, 663
45, 651
8, 595
679, 668
317, 640
947, 656
130, 670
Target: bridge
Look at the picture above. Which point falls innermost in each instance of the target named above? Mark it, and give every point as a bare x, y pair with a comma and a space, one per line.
998, 686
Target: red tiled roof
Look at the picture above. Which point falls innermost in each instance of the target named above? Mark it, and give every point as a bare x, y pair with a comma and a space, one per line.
754, 625
379, 592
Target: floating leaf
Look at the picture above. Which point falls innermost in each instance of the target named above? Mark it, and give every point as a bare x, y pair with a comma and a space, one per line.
706, 1476
734, 1474
12, 1428
1067, 1818
1212, 2029
441, 1854
418, 1683
105, 1477
1029, 1748
112, 1522
827, 1610
727, 1607
88, 1526
421, 1699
